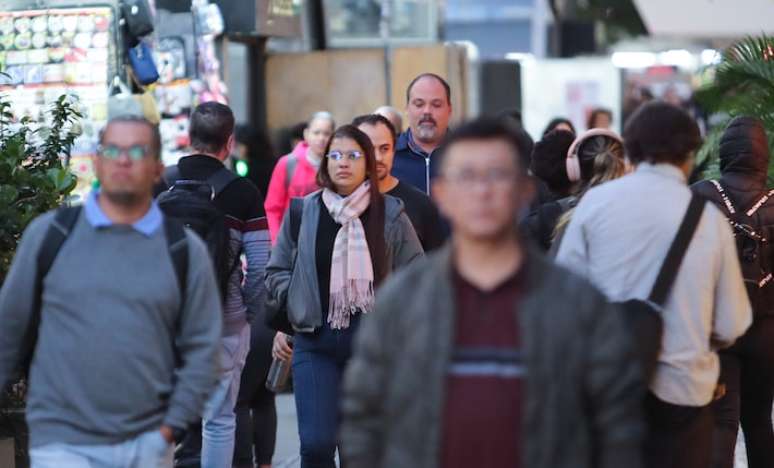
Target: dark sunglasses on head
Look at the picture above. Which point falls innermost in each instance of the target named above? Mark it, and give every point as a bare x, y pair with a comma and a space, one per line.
113, 152
339, 155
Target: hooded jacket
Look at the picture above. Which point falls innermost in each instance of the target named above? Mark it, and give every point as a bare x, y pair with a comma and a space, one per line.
744, 162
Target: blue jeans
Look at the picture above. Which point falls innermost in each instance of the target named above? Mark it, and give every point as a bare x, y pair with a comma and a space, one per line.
148, 450
219, 422
319, 360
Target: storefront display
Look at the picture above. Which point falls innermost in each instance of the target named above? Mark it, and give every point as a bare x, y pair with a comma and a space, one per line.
47, 53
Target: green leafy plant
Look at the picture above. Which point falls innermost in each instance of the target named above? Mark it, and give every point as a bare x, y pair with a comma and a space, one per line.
34, 173
743, 85
34, 178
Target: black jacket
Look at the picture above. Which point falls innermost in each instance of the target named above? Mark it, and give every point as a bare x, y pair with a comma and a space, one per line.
744, 162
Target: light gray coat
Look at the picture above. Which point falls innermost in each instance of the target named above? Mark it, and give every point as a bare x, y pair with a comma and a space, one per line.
291, 274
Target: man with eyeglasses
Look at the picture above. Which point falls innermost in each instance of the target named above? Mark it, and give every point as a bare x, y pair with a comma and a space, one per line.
486, 339
127, 317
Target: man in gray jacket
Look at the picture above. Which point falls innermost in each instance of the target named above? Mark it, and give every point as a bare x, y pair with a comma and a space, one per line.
127, 348
486, 354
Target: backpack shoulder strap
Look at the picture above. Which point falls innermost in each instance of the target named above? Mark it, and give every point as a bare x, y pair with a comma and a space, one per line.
290, 169
759, 203
671, 266
171, 175
221, 179
730, 209
296, 213
177, 244
60, 228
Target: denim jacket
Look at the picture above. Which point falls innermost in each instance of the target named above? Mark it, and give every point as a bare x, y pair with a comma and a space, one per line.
291, 274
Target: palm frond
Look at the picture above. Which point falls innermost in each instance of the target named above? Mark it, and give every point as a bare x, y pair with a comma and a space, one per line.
743, 85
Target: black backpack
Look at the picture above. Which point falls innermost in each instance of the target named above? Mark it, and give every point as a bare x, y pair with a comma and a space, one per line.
56, 235
756, 253
191, 202
643, 317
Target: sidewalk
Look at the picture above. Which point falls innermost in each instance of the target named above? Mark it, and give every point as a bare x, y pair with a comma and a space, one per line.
286, 451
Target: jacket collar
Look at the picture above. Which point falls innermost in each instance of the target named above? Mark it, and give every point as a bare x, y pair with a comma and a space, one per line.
406, 142
147, 225
664, 170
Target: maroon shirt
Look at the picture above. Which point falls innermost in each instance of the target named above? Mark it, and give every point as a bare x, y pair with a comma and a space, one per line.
484, 385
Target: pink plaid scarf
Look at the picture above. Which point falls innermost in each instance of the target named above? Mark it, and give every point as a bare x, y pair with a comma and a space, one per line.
352, 274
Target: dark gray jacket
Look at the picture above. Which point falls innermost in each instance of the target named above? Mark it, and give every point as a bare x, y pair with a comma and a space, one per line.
303, 301
583, 386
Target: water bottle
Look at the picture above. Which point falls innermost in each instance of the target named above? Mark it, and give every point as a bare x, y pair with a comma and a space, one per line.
279, 372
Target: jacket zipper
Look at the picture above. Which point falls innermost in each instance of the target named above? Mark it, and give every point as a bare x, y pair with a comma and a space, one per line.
427, 175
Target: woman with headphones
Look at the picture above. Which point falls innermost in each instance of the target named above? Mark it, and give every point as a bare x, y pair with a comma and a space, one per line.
595, 156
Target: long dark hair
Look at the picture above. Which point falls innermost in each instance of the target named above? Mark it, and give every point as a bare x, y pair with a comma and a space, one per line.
374, 229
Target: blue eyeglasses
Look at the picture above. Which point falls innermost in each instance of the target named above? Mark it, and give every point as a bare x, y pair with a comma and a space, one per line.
339, 155
113, 152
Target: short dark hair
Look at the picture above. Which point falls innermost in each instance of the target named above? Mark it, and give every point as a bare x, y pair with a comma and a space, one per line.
548, 160
137, 119
374, 120
555, 122
443, 82
597, 111
485, 128
212, 123
659, 132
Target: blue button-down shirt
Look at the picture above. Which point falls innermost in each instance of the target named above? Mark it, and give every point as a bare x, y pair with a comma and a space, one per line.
146, 225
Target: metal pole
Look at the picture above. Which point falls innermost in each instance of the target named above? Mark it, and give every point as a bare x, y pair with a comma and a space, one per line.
384, 29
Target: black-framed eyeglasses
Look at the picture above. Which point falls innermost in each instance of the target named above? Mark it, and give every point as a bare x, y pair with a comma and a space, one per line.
339, 155
113, 152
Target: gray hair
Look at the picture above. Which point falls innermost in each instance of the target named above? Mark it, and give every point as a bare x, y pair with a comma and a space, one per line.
137, 119
323, 115
393, 115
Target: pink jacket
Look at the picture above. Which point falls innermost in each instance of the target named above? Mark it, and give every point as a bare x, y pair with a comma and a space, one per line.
278, 196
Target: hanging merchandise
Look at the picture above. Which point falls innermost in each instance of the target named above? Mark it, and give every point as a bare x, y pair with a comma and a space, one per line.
209, 20
47, 53
170, 58
138, 17
121, 101
143, 65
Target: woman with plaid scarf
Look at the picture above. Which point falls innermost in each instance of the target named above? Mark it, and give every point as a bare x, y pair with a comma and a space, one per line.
350, 238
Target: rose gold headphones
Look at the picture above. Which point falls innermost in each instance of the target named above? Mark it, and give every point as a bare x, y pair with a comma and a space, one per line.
573, 163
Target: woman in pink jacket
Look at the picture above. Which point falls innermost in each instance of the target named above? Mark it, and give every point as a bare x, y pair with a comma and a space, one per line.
295, 174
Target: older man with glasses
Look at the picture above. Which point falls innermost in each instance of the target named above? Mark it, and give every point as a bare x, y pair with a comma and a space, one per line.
116, 311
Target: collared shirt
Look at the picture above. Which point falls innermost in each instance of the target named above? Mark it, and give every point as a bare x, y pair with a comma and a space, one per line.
618, 237
146, 225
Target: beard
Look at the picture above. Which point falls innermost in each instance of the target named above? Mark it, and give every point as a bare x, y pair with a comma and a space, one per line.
123, 198
426, 133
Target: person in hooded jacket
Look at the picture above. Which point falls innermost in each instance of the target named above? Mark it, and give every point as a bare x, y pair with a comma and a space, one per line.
747, 368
